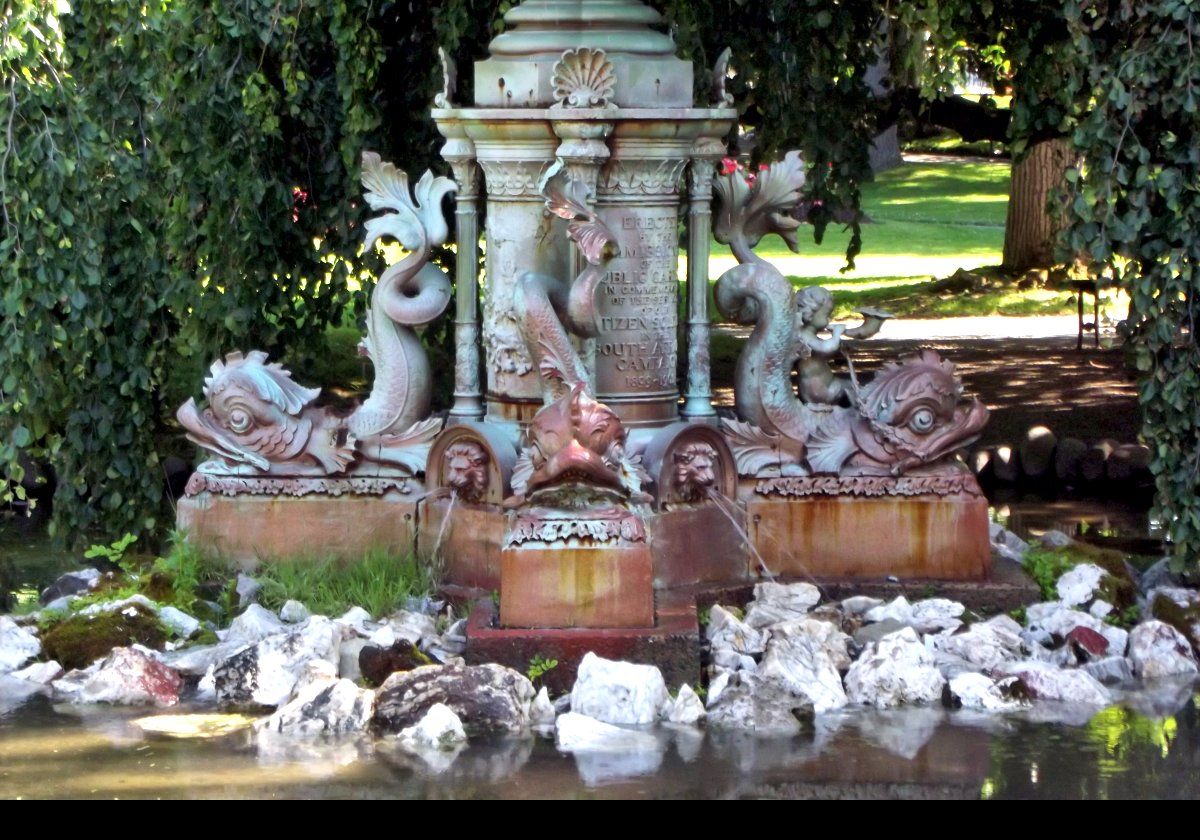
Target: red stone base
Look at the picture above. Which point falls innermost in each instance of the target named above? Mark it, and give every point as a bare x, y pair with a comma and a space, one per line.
673, 644
592, 586
248, 529
843, 536
688, 545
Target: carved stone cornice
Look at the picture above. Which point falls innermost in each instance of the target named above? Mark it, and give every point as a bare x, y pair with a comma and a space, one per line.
222, 485
938, 484
514, 178
649, 177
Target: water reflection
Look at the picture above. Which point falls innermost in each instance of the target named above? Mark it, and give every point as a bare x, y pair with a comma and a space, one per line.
914, 753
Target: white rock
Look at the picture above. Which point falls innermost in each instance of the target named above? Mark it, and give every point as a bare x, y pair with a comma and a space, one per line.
541, 710
200, 658
1046, 682
178, 622
438, 729
323, 705
264, 674
928, 616
806, 656
253, 625
247, 589
1180, 595
975, 691
725, 659
860, 605
17, 645
575, 732
725, 631
618, 692
348, 667
1080, 584
417, 628
1111, 670
127, 676
14, 692
1100, 608
384, 637
1055, 619
293, 612
1055, 539
358, 620
686, 709
717, 685
1006, 543
750, 702
41, 673
1157, 649
776, 602
893, 671
985, 644
206, 688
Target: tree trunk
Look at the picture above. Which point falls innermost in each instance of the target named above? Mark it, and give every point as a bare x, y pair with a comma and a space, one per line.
1031, 226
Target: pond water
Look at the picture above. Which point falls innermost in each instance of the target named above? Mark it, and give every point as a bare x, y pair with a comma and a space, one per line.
909, 753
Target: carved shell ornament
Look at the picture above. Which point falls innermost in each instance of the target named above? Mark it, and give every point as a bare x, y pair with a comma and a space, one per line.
583, 78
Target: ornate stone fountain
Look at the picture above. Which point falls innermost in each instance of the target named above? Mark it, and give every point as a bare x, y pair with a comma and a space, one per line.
571, 474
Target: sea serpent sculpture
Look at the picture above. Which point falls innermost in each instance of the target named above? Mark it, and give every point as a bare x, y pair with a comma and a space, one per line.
912, 416
260, 422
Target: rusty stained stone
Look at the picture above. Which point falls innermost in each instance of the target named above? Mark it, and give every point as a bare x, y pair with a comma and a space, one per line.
593, 586
249, 529
939, 538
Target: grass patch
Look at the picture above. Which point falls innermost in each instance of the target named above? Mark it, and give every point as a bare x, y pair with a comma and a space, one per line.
380, 582
927, 221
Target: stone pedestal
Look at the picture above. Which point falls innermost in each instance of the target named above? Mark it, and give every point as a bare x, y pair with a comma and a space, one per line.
469, 540
818, 527
591, 586
250, 529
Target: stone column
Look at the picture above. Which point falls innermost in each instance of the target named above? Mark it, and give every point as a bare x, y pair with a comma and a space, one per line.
697, 403
521, 237
468, 392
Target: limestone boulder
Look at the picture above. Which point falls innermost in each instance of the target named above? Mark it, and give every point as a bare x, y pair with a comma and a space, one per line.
977, 691
377, 663
1080, 585
575, 733
1157, 649
750, 703
726, 632
253, 625
438, 729
129, 676
984, 644
776, 602
686, 709
1049, 624
264, 674
293, 612
897, 670
69, 584
618, 692
323, 706
487, 698
931, 615
18, 645
1044, 681
806, 656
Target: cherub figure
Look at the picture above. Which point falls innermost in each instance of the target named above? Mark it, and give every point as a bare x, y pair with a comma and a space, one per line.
814, 309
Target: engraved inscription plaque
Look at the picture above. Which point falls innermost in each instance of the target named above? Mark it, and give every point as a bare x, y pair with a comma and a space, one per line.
638, 311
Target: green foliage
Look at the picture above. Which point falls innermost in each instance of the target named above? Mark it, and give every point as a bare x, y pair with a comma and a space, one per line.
180, 180
1134, 216
114, 552
800, 83
380, 582
1046, 566
539, 666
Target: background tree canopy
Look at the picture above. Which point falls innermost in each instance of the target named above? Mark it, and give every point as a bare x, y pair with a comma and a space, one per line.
181, 178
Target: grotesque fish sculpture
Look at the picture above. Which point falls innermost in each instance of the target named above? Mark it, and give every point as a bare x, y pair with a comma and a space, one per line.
912, 414
575, 440
259, 417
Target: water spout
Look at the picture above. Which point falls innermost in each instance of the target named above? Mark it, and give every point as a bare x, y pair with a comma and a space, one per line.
720, 500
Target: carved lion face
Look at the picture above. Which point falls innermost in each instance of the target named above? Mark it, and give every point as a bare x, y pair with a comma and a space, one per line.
466, 470
694, 471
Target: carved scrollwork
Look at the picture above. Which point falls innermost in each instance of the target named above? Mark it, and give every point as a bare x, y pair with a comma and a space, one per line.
226, 485
720, 73
514, 178
642, 177
445, 98
583, 78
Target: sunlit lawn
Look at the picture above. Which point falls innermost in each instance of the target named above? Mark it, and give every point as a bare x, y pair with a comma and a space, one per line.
927, 220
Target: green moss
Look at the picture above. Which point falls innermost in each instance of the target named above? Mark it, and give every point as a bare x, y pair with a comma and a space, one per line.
1047, 565
80, 640
1183, 619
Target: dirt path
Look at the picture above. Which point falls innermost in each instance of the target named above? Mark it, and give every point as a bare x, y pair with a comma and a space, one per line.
1028, 380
